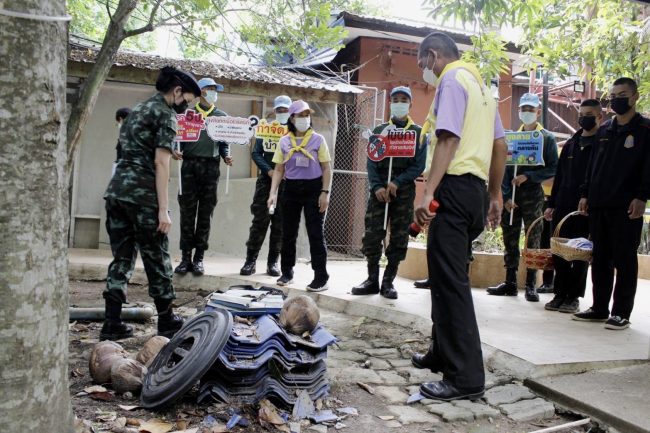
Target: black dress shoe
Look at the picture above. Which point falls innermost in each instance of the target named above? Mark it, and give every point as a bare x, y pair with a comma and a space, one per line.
426, 360
507, 288
445, 391
422, 284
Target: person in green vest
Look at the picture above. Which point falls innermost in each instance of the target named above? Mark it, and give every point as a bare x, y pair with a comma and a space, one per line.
199, 180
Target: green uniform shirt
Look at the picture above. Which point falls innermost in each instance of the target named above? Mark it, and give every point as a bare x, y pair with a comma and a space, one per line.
151, 124
206, 147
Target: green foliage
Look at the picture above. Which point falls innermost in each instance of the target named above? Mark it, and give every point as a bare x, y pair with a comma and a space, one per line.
602, 39
488, 54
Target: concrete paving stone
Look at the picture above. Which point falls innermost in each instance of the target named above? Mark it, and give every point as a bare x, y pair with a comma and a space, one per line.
420, 376
353, 375
393, 423
507, 394
379, 364
528, 410
480, 410
381, 344
348, 355
428, 401
392, 394
411, 414
496, 379
400, 363
412, 389
450, 413
354, 344
391, 378
385, 352
317, 429
339, 363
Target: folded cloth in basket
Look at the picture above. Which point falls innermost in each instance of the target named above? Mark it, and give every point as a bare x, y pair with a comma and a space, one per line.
581, 244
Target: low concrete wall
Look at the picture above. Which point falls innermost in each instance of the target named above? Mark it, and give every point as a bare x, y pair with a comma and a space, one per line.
486, 270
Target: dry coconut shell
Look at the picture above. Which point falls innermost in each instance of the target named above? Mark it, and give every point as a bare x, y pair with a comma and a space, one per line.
299, 315
151, 348
127, 375
102, 357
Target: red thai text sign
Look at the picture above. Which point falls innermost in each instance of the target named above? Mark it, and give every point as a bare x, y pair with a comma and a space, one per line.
190, 125
395, 143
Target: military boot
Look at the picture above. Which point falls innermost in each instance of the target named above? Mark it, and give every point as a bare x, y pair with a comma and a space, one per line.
185, 265
272, 268
547, 282
168, 322
531, 291
371, 285
113, 328
508, 287
387, 288
197, 263
249, 264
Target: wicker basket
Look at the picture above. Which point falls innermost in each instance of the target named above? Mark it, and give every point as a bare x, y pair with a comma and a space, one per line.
537, 258
560, 248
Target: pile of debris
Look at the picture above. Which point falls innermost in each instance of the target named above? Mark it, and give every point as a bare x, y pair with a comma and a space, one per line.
245, 355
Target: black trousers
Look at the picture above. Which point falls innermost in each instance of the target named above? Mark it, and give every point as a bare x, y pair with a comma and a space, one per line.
302, 195
616, 240
460, 219
570, 277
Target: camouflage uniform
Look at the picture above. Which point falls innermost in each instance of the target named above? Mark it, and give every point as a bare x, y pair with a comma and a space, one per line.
132, 203
200, 178
400, 209
529, 196
261, 218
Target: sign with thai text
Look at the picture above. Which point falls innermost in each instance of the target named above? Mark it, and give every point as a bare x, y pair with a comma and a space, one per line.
233, 130
190, 124
525, 148
392, 143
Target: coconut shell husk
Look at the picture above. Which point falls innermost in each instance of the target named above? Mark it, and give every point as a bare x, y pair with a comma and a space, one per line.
102, 357
127, 375
299, 314
151, 348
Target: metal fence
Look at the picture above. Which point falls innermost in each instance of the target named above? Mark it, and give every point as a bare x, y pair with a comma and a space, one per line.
344, 226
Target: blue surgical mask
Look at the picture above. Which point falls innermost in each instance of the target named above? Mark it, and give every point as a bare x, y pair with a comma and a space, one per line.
211, 96
399, 109
527, 118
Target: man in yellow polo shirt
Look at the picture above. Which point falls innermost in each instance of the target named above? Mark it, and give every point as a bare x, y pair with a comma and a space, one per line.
469, 149
528, 203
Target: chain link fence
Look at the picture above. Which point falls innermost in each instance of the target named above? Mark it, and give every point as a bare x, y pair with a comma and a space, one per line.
344, 226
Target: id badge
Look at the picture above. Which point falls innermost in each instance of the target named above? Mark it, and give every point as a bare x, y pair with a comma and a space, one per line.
302, 161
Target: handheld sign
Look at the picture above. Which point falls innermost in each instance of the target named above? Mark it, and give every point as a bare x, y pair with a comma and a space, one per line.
190, 125
270, 133
524, 148
238, 130
391, 143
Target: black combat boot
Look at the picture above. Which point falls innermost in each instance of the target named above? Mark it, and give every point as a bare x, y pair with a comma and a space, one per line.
531, 291
371, 285
272, 267
508, 287
197, 263
185, 265
114, 328
387, 288
547, 282
168, 322
428, 360
422, 284
249, 264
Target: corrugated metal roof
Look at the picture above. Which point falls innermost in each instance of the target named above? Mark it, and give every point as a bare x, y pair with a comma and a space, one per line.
201, 68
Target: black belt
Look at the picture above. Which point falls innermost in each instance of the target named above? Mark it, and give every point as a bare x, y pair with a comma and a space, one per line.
200, 158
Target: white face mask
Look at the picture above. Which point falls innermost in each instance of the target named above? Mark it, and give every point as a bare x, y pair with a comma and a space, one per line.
399, 109
427, 74
527, 118
119, 126
302, 123
283, 118
211, 96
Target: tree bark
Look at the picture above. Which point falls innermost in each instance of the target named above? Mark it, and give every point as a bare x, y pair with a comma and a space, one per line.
91, 86
33, 221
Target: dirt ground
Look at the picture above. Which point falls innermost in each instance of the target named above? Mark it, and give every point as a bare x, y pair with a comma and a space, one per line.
99, 415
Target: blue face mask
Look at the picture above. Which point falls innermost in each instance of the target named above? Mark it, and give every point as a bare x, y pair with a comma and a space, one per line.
399, 109
527, 118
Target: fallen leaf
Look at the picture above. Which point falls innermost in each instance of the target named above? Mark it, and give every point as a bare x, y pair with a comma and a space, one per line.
103, 396
95, 388
319, 404
192, 430
119, 423
155, 426
133, 422
105, 416
268, 413
366, 387
386, 417
181, 424
127, 408
76, 373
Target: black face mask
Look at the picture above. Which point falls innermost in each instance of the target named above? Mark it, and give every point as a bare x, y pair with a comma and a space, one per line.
180, 108
620, 105
587, 122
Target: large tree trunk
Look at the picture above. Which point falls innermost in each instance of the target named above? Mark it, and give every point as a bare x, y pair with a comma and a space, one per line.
91, 86
33, 220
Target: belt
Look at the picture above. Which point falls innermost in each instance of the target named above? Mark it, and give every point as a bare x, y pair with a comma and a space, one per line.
201, 158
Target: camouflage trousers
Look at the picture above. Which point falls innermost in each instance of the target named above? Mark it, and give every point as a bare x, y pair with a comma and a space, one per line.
400, 215
130, 225
530, 202
262, 219
200, 177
